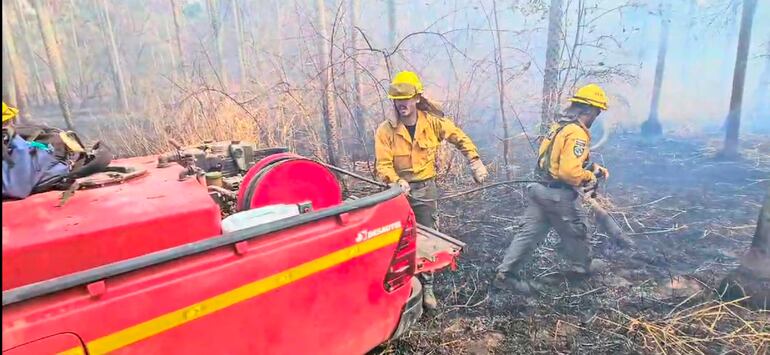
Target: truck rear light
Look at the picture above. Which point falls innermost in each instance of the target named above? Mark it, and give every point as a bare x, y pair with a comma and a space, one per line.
404, 261
408, 239
400, 267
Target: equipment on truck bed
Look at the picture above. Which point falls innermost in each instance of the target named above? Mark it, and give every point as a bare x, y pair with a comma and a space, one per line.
223, 163
145, 262
261, 177
289, 178
231, 158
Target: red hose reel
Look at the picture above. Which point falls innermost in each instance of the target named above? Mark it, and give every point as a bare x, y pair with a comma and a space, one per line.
287, 178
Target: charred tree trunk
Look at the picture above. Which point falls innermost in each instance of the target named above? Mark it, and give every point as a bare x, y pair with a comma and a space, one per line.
216, 29
552, 56
239, 38
501, 91
652, 127
752, 278
117, 70
733, 123
177, 17
759, 255
327, 98
54, 60
20, 90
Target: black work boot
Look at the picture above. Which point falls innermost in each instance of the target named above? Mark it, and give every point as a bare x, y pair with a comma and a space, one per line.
515, 284
429, 298
595, 266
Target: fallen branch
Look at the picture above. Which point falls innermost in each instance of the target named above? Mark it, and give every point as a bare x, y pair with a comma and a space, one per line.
649, 203
668, 230
605, 221
580, 294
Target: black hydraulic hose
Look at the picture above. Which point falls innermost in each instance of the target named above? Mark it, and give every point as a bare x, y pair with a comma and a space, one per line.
352, 174
477, 189
613, 229
445, 197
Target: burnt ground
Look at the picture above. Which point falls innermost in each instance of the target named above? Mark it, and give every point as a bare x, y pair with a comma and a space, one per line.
692, 218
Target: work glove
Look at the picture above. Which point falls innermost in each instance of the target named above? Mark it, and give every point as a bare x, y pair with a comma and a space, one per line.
404, 185
600, 171
590, 186
480, 172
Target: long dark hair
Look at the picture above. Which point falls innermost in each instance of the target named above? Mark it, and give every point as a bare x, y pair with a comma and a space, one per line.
579, 108
430, 106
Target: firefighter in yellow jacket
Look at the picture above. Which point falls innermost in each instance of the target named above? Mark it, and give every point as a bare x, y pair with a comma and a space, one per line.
405, 148
554, 203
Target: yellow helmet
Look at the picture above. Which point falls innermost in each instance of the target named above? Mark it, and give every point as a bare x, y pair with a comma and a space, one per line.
405, 85
8, 112
592, 95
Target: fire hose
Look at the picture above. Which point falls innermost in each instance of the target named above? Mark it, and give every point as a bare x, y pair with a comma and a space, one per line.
445, 197
603, 218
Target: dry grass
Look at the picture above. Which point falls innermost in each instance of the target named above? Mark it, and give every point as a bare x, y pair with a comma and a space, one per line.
206, 115
698, 330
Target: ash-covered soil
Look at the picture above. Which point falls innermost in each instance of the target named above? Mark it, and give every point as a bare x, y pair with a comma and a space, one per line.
692, 218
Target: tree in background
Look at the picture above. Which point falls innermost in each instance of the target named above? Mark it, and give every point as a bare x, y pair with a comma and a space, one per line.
9, 87
327, 98
358, 110
752, 278
17, 71
40, 95
12, 71
762, 92
733, 124
552, 58
76, 47
177, 18
117, 70
652, 127
239, 42
576, 52
501, 91
48, 34
169, 57
216, 29
392, 23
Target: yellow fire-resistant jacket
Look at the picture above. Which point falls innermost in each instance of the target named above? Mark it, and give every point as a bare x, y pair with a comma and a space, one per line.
566, 151
399, 157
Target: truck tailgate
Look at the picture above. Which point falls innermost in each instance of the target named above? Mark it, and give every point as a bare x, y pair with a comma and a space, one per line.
436, 250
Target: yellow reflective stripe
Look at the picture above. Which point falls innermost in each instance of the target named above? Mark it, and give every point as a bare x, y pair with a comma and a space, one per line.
181, 316
74, 351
